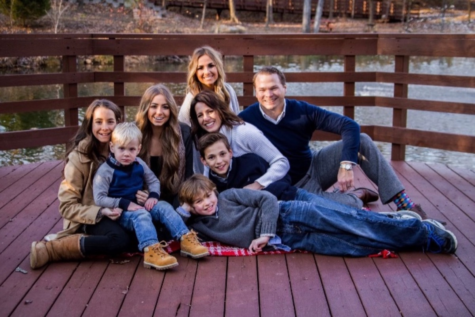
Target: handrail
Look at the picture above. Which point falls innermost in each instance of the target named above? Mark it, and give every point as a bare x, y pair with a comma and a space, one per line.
401, 46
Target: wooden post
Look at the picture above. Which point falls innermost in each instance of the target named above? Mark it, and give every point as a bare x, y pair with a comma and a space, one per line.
398, 151
349, 87
70, 91
248, 89
119, 87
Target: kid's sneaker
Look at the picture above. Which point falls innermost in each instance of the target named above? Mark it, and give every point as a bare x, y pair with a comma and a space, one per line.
191, 246
439, 239
154, 256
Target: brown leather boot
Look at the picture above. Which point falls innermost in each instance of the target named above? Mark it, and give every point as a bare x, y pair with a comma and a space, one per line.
366, 195
154, 256
67, 248
191, 246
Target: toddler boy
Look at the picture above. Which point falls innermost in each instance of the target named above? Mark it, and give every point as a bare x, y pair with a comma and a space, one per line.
114, 186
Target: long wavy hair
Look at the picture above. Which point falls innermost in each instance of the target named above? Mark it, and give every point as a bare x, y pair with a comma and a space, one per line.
194, 85
209, 98
170, 137
92, 145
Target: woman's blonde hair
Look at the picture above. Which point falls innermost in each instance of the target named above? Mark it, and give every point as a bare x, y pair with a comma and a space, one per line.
170, 137
194, 85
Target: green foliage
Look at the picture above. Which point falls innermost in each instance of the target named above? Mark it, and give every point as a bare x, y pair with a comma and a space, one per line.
23, 11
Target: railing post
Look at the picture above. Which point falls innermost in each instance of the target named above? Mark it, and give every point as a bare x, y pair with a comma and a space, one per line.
119, 87
349, 87
398, 151
70, 91
248, 66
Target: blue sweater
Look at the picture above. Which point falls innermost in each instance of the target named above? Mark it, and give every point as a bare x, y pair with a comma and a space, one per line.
246, 169
291, 136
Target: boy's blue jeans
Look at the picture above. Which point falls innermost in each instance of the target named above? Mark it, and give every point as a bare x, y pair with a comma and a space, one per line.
323, 226
141, 221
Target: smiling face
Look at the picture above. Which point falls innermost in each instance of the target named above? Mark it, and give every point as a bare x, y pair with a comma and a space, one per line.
218, 158
158, 111
270, 93
205, 204
206, 72
103, 123
208, 118
125, 154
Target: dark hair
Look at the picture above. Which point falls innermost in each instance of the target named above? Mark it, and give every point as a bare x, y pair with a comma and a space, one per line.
269, 70
213, 101
92, 147
209, 139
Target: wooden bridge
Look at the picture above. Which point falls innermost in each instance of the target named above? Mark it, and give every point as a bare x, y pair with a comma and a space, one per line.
414, 284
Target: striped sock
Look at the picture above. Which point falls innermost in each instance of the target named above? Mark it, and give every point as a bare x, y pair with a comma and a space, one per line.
403, 201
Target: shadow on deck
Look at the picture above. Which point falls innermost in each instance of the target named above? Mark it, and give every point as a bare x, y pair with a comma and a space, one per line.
414, 284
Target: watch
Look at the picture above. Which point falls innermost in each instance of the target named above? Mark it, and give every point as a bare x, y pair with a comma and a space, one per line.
346, 166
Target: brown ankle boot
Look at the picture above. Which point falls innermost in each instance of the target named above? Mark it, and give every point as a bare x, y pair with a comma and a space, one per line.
191, 246
67, 248
154, 256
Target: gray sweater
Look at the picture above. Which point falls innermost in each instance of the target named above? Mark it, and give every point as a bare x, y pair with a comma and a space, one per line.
243, 215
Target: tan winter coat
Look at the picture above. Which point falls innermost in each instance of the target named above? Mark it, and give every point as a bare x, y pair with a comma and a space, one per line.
76, 201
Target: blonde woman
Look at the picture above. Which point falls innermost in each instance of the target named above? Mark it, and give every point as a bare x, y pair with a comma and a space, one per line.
167, 146
206, 72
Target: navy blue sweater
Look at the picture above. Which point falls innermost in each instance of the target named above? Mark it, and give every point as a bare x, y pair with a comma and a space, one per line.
291, 136
249, 167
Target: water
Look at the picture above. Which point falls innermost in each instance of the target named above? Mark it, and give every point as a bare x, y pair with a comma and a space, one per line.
423, 120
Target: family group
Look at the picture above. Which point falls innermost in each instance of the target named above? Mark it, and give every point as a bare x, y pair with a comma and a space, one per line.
244, 178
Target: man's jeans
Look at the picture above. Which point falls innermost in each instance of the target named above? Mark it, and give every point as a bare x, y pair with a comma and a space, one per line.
141, 221
322, 226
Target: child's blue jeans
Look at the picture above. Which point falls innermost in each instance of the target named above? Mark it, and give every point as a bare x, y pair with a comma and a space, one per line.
141, 221
322, 226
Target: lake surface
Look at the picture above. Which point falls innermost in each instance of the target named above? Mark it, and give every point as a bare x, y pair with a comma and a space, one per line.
424, 120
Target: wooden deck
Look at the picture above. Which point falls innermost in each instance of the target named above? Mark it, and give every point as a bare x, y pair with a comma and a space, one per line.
414, 284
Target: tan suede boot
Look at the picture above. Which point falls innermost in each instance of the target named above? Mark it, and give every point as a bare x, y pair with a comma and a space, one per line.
191, 246
67, 248
154, 256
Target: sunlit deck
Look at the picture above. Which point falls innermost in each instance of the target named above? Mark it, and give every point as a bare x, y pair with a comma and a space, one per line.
414, 284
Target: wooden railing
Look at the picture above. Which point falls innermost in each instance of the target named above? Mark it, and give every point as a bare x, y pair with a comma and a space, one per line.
402, 47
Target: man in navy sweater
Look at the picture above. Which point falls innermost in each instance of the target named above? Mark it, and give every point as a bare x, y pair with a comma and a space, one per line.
289, 125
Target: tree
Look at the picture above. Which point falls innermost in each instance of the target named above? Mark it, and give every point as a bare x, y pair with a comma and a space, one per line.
307, 11
269, 16
318, 16
232, 12
57, 10
24, 11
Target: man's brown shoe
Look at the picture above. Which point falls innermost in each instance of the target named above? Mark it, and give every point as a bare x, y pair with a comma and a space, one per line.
366, 195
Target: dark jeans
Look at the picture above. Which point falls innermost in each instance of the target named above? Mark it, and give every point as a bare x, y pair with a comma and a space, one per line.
107, 237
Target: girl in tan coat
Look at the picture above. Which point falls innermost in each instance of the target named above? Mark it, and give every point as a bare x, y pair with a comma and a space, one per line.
81, 216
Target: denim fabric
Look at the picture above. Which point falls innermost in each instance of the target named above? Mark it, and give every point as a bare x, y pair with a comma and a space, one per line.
140, 221
164, 213
327, 227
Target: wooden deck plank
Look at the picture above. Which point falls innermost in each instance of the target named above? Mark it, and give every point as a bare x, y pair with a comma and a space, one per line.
112, 289
341, 293
143, 293
14, 175
5, 170
242, 288
177, 290
468, 175
209, 293
307, 289
46, 289
80, 288
455, 180
438, 292
372, 291
16, 252
10, 231
274, 286
404, 290
45, 175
